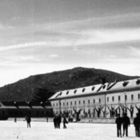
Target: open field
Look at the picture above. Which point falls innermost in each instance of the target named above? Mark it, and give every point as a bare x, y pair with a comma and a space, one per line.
42, 130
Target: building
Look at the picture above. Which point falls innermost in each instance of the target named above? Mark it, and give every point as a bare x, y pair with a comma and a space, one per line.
98, 101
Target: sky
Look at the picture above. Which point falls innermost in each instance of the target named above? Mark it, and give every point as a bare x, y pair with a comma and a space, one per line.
41, 36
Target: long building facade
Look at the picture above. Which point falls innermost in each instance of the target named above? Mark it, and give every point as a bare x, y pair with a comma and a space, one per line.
99, 101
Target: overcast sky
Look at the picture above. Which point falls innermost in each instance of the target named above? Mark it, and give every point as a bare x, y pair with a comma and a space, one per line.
40, 36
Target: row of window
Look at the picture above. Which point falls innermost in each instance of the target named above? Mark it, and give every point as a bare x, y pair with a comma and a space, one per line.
125, 98
95, 101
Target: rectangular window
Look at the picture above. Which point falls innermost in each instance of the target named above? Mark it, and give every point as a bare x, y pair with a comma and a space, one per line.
119, 98
112, 98
125, 97
132, 97
79, 102
71, 103
88, 101
83, 101
75, 102
63, 104
138, 96
99, 100
107, 99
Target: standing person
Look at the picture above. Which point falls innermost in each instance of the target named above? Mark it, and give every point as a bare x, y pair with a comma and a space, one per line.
64, 121
119, 125
59, 120
54, 121
28, 120
137, 124
126, 123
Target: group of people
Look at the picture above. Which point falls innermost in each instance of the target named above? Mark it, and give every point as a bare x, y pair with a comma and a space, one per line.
57, 121
124, 122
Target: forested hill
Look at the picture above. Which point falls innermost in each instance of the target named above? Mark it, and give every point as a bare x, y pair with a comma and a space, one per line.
40, 87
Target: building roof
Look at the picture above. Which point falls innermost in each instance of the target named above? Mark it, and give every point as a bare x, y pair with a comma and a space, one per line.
115, 86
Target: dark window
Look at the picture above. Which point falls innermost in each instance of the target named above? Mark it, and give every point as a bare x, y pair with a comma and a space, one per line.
71, 103
79, 102
125, 83
83, 101
99, 100
132, 97
107, 99
125, 97
139, 96
67, 103
75, 91
63, 104
112, 98
88, 101
93, 88
94, 101
75, 102
83, 89
67, 92
138, 82
119, 98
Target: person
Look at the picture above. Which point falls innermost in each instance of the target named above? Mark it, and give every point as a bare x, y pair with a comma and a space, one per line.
54, 121
126, 123
64, 121
136, 123
119, 125
28, 120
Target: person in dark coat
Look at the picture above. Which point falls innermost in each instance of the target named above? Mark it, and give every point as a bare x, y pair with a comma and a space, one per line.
64, 121
126, 123
137, 125
28, 120
119, 125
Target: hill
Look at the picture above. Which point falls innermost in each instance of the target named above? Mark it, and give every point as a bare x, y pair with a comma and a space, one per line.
40, 87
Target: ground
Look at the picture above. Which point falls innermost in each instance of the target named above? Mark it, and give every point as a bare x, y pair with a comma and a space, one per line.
42, 130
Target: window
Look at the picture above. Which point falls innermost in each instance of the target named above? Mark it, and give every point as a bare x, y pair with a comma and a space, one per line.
132, 97
107, 99
125, 83
138, 82
112, 98
75, 91
75, 102
79, 102
67, 92
125, 97
83, 89
99, 100
94, 101
83, 101
93, 88
119, 98
139, 96
71, 102
63, 104
67, 103
88, 101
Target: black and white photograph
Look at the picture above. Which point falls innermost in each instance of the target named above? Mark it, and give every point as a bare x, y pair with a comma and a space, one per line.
69, 69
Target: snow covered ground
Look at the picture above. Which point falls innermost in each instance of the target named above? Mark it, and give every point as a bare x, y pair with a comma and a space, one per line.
9, 130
